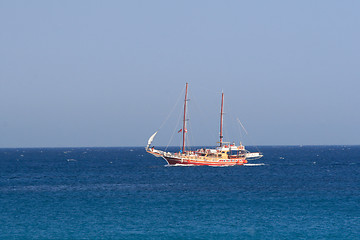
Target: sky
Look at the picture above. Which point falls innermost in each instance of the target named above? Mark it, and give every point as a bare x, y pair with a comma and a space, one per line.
109, 73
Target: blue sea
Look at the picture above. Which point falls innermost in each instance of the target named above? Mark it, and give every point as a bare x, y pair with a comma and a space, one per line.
293, 192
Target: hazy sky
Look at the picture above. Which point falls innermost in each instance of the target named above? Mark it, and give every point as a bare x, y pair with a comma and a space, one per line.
107, 73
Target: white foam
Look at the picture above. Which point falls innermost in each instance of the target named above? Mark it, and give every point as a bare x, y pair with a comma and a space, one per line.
194, 165
254, 164
180, 165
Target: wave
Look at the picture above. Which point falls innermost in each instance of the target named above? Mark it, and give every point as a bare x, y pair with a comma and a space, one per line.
181, 165
254, 164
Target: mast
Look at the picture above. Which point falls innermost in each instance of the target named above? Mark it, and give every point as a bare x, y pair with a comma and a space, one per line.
221, 119
184, 120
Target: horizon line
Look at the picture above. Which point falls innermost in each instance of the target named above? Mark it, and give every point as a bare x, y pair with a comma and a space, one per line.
266, 145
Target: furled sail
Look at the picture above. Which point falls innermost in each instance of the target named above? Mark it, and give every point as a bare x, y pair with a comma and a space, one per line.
151, 139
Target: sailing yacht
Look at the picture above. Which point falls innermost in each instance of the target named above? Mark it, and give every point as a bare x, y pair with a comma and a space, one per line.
226, 154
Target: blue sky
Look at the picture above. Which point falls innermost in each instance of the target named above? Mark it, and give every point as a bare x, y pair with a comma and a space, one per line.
107, 73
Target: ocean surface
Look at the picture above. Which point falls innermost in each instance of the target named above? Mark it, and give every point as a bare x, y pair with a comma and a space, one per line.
293, 192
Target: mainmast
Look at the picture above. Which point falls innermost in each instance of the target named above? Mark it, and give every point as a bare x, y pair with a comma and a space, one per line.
221, 119
184, 120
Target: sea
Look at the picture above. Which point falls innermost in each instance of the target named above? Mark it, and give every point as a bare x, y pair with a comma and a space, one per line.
293, 192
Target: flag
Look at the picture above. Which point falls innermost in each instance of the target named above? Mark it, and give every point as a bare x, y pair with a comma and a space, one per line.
181, 130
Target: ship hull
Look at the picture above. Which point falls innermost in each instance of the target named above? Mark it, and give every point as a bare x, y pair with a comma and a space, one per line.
204, 162
226, 154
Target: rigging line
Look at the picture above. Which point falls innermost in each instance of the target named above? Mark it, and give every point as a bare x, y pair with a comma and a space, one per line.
189, 137
202, 116
189, 111
242, 125
240, 132
238, 126
176, 103
187, 140
232, 122
247, 134
176, 126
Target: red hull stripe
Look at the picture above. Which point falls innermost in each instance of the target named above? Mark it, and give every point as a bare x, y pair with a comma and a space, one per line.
173, 161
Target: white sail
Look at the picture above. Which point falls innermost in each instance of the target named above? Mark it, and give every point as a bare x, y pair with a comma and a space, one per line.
151, 139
